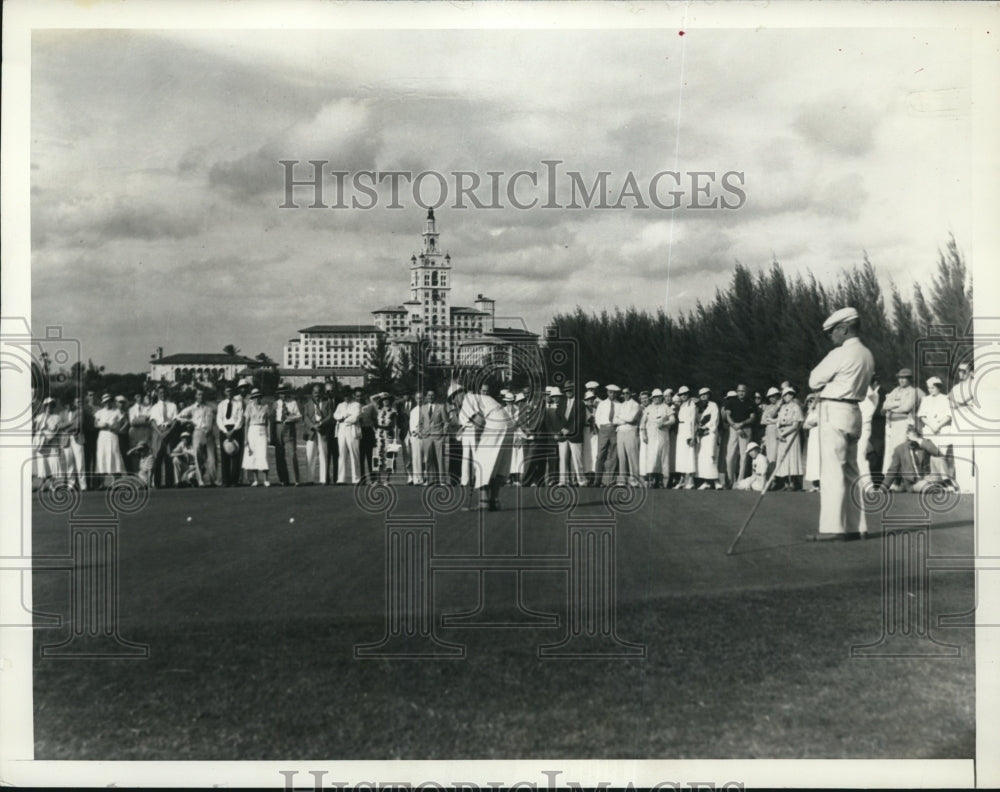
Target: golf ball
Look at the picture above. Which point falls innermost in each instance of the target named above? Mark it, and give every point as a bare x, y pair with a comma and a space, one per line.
291, 519
189, 519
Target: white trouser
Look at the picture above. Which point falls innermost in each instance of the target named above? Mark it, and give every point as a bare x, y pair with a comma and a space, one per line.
74, 460
417, 459
348, 444
316, 451
571, 454
468, 456
839, 431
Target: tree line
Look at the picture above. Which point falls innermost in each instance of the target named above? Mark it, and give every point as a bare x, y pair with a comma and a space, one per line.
765, 328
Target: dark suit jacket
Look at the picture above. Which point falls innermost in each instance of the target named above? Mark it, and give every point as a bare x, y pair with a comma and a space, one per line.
325, 425
572, 421
436, 425
552, 422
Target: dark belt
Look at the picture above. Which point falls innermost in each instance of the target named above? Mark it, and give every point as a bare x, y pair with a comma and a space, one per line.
845, 401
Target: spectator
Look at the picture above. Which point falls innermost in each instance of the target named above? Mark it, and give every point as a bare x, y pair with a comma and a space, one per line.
789, 460
163, 416
900, 408
201, 417
626, 420
769, 421
758, 470
909, 469
655, 429
47, 441
739, 415
229, 421
257, 422
707, 440
286, 418
185, 458
811, 425
317, 418
385, 434
934, 415
109, 421
687, 418
346, 415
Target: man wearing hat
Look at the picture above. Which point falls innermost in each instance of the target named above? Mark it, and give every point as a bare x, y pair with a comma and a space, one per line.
570, 439
163, 416
739, 414
687, 419
186, 462
626, 421
229, 422
286, 416
606, 462
543, 467
900, 408
842, 379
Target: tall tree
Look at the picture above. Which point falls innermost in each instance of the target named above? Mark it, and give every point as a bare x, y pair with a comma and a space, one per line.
379, 365
231, 349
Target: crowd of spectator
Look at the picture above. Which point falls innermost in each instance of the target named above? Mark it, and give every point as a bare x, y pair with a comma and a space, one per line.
594, 436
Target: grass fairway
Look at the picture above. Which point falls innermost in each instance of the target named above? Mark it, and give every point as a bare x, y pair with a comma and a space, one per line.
252, 620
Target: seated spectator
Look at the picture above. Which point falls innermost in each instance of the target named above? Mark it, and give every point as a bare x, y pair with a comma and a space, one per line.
186, 462
758, 466
910, 467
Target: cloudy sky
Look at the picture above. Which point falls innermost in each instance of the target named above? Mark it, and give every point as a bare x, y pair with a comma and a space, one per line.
156, 185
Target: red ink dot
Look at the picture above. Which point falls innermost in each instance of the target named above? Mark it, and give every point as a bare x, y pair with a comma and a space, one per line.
680, 32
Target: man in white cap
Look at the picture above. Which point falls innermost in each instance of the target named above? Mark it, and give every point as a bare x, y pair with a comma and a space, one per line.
606, 462
842, 378
686, 459
626, 421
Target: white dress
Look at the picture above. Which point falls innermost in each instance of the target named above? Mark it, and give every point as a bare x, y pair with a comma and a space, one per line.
812, 443
932, 412
109, 453
686, 417
655, 422
707, 467
255, 450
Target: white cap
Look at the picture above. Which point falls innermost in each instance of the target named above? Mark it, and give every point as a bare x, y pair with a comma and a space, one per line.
668, 392
842, 315
656, 392
752, 446
934, 381
519, 397
772, 391
47, 400
454, 388
788, 389
682, 390
554, 391
589, 395
730, 394
612, 388
704, 391
508, 396
591, 384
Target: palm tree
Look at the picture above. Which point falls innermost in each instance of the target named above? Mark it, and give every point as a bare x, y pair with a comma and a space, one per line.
231, 349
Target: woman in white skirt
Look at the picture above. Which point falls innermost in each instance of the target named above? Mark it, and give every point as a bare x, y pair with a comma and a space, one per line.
655, 428
109, 421
789, 453
811, 425
257, 417
684, 462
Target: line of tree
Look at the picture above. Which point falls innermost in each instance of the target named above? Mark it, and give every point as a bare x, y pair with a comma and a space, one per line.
766, 328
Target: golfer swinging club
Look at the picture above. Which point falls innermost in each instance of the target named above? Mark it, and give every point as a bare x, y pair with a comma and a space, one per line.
842, 378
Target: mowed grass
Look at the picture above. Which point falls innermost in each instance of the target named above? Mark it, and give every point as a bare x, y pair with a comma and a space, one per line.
252, 655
